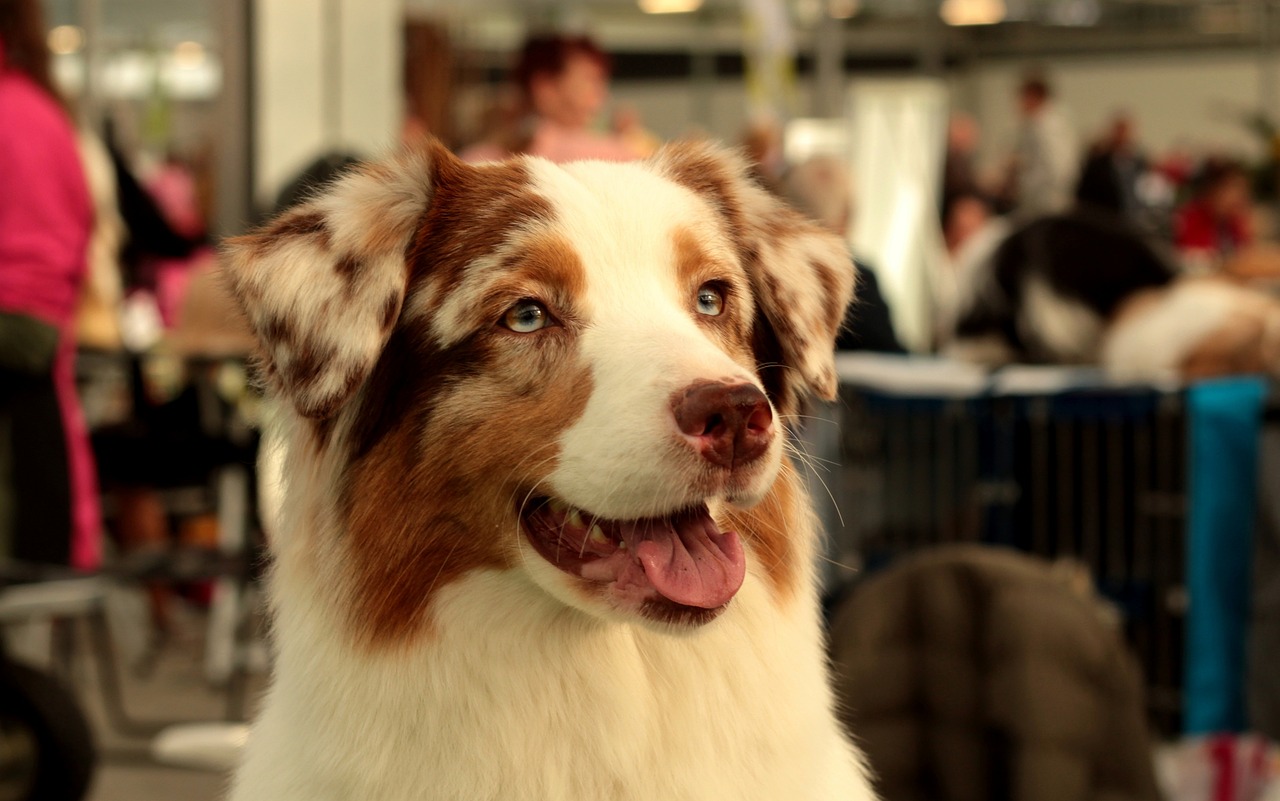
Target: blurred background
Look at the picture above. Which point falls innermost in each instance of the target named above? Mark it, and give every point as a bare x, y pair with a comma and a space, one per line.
1065, 217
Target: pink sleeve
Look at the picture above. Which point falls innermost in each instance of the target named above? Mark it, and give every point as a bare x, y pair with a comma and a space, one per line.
45, 212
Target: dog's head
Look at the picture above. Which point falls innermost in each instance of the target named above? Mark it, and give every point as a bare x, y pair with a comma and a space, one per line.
572, 371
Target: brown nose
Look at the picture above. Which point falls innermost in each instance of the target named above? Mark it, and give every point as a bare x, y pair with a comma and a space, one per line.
729, 424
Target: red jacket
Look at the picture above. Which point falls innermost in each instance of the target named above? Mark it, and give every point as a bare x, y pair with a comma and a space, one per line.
1196, 228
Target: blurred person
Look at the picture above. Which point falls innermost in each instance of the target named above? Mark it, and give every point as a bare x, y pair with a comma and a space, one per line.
152, 239
1215, 225
164, 443
1046, 159
629, 127
959, 171
964, 215
173, 188
762, 144
564, 85
48, 497
961, 177
1112, 170
1177, 165
820, 189
971, 233
98, 315
501, 131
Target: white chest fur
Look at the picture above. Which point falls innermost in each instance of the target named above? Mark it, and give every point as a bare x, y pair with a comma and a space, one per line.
518, 697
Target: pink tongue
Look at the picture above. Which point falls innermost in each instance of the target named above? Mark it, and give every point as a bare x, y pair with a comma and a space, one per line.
688, 560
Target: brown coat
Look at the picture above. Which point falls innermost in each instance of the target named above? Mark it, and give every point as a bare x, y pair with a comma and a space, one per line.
976, 674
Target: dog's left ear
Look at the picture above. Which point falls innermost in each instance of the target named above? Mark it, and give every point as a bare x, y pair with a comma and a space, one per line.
802, 275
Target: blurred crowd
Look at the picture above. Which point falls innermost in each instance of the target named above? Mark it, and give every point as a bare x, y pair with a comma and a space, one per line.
96, 257
1203, 205
101, 252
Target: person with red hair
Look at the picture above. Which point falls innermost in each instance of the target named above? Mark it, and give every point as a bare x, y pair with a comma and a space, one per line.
563, 84
48, 494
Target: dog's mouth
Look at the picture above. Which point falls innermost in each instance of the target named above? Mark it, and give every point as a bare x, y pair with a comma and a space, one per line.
677, 568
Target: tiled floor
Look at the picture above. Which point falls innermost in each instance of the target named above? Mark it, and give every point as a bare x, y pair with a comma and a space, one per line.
126, 771
174, 689
118, 782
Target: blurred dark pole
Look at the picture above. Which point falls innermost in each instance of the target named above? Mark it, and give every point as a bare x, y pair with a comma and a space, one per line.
233, 177
430, 75
1267, 58
828, 77
931, 58
90, 107
702, 70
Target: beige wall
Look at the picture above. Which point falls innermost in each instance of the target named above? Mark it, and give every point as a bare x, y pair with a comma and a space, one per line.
294, 118
1193, 100
673, 108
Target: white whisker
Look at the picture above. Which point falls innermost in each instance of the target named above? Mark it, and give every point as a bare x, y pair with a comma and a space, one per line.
795, 447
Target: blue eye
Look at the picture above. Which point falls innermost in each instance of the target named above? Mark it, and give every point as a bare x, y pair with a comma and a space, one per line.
526, 317
710, 300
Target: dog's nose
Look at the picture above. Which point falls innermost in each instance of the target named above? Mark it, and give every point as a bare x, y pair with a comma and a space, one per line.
729, 424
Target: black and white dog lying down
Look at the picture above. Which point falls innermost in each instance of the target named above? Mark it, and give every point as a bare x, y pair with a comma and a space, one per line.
1083, 289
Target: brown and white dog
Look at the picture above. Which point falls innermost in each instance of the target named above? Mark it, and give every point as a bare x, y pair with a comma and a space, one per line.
539, 538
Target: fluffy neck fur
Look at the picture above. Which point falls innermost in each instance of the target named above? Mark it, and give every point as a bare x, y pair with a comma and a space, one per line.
515, 696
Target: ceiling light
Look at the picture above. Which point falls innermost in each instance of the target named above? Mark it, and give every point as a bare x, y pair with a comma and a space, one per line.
129, 73
66, 39
972, 12
669, 6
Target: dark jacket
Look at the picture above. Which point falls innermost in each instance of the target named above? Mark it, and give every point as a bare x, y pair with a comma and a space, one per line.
976, 674
868, 324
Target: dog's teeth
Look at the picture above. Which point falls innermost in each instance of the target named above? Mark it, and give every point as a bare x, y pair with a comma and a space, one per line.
558, 506
622, 545
575, 519
598, 536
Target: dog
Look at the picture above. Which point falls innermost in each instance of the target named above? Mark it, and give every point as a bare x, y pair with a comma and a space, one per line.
1196, 328
1082, 288
1047, 290
539, 538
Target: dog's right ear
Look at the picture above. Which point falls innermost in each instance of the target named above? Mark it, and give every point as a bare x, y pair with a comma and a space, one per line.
322, 285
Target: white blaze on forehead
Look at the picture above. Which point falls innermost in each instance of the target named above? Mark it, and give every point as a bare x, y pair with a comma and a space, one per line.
640, 338
623, 222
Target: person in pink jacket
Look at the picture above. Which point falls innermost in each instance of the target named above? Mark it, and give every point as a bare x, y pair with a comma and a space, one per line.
48, 495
